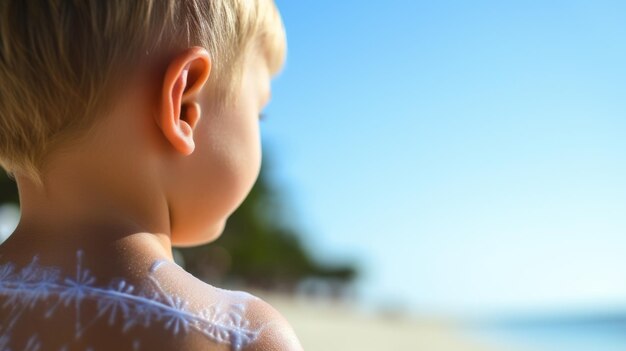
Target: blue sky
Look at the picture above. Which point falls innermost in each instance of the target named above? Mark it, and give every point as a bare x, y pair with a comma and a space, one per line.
470, 155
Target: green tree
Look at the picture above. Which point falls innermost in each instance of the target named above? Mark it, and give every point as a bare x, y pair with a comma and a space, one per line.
8, 189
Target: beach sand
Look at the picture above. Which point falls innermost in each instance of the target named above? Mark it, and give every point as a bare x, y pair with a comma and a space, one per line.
333, 326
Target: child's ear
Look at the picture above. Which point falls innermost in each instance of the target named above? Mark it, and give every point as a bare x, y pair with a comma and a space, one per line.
179, 109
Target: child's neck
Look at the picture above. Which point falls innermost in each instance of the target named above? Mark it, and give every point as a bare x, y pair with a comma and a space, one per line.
74, 214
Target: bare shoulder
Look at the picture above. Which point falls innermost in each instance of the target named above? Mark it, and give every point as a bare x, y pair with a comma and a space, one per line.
234, 318
275, 331
161, 308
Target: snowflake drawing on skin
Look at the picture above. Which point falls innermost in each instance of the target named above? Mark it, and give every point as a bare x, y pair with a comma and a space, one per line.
4, 341
233, 318
33, 344
24, 288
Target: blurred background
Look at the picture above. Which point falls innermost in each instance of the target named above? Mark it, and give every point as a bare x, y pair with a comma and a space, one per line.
438, 175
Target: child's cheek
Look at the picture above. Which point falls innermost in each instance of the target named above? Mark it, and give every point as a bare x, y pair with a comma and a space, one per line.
223, 169
236, 162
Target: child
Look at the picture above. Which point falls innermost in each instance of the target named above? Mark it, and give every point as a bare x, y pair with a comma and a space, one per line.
130, 126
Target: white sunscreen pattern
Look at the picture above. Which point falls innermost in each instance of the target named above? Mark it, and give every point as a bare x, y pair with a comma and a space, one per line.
23, 288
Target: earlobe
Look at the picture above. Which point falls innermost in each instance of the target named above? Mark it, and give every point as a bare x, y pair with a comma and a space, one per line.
185, 77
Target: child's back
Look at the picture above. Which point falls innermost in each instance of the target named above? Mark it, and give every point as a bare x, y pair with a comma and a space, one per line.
127, 303
129, 127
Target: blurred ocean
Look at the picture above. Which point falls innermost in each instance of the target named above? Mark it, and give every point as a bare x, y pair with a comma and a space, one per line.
580, 335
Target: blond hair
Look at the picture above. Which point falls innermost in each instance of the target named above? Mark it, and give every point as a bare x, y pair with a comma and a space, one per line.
60, 60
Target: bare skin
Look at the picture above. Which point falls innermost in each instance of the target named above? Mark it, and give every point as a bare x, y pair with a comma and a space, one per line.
165, 167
